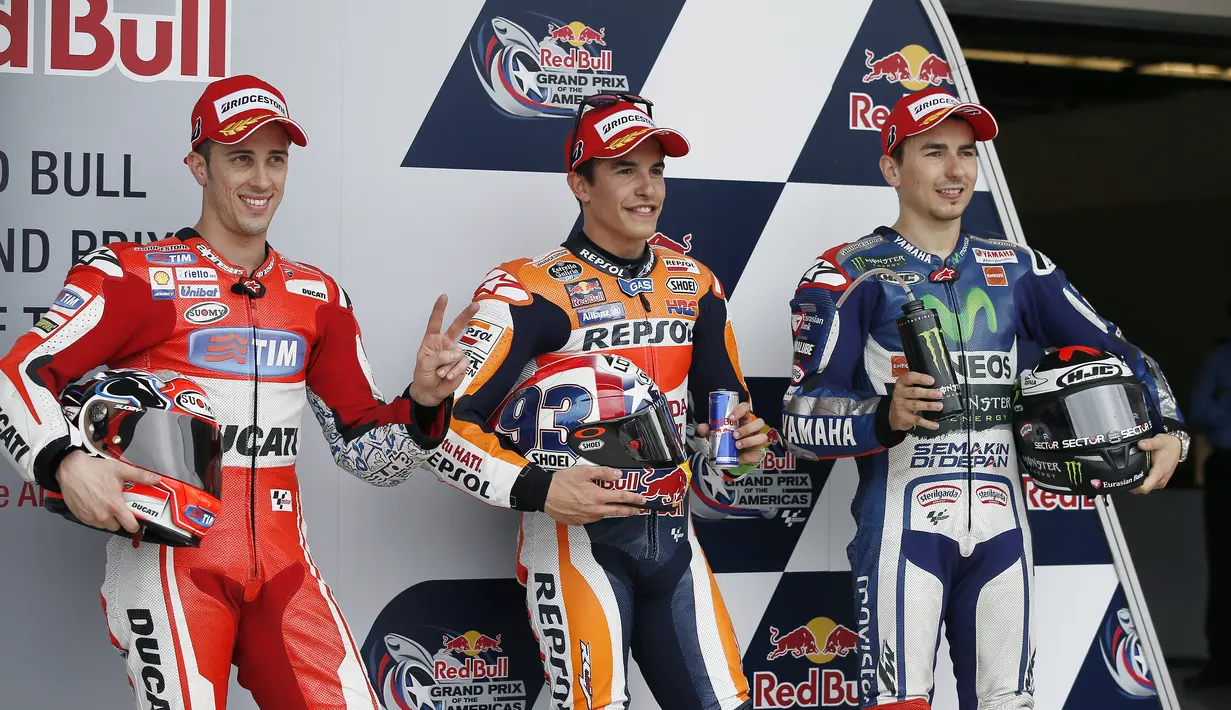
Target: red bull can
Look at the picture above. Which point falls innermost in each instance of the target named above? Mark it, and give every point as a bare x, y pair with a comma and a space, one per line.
723, 452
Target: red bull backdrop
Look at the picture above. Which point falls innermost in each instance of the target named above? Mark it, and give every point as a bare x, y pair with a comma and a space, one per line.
437, 133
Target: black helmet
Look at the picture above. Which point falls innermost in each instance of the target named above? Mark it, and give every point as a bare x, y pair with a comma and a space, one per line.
1077, 416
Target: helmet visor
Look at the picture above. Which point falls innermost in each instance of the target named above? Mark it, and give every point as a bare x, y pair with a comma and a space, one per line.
171, 444
646, 439
1112, 411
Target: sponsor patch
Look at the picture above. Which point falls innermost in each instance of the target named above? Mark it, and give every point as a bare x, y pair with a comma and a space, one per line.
247, 100
162, 282
500, 285
272, 353
995, 276
69, 299
311, 289
49, 323
480, 336
678, 266
682, 307
199, 291
992, 495
632, 287
194, 402
205, 313
174, 258
604, 313
280, 500
682, 284
564, 270
586, 292
995, 256
823, 274
195, 273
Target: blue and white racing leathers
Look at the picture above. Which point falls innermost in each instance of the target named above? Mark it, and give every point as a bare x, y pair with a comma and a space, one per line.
942, 533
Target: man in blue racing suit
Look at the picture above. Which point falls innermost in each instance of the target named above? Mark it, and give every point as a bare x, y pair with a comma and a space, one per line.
942, 533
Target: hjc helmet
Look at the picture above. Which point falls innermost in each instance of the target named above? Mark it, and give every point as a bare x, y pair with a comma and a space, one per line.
1077, 416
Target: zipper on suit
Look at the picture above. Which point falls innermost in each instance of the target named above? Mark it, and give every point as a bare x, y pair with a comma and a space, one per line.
966, 409
651, 522
256, 366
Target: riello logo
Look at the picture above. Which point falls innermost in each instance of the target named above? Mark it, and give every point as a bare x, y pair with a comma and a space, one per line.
89, 37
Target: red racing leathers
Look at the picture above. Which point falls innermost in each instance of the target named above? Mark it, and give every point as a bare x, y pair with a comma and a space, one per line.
250, 594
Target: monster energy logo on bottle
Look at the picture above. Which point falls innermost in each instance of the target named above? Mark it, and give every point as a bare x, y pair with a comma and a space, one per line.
1074, 470
976, 300
936, 345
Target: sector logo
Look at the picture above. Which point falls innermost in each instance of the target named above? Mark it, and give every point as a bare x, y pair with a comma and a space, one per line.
543, 68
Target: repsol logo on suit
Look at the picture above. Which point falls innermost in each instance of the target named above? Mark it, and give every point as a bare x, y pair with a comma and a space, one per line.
253, 440
663, 331
141, 623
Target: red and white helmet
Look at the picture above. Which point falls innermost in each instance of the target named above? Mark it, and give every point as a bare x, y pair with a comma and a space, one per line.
600, 410
162, 423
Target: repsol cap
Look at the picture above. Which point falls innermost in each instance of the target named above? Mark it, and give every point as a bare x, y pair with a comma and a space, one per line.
923, 110
616, 129
231, 109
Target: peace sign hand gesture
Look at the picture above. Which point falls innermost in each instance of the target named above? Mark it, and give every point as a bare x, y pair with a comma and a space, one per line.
440, 363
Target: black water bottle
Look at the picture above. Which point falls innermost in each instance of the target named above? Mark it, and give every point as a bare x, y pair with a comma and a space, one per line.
923, 340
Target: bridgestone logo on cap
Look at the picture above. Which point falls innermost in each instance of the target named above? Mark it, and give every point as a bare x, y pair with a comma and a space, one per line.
927, 105
618, 122
247, 100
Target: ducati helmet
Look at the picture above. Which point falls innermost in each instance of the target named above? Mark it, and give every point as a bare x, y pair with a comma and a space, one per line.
162, 423
599, 410
1077, 417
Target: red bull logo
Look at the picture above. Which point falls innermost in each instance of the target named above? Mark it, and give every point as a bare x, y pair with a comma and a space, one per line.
577, 34
820, 641
798, 643
471, 643
661, 240
668, 489
912, 67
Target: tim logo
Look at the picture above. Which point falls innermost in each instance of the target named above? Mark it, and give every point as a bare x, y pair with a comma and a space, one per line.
89, 37
237, 351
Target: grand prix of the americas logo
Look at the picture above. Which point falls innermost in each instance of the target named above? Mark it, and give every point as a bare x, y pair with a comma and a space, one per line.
1124, 657
546, 69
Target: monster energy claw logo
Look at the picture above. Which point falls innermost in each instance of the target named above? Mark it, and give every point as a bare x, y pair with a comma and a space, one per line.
1074, 470
976, 300
934, 340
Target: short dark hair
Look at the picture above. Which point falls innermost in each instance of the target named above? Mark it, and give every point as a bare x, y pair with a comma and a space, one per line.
586, 170
899, 152
204, 149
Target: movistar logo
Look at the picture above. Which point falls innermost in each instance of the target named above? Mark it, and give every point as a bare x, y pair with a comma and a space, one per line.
1073, 468
934, 340
976, 300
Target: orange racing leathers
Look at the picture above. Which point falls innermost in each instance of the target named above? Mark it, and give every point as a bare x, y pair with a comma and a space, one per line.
596, 590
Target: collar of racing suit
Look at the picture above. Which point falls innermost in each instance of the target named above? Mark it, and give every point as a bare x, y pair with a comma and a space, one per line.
955, 257
192, 237
584, 248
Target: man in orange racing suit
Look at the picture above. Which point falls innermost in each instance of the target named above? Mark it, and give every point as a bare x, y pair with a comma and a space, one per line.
263, 336
597, 582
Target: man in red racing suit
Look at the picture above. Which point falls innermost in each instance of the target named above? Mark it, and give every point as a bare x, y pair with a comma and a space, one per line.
599, 584
262, 335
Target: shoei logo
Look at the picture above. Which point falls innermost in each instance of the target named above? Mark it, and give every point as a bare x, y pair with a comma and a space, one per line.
236, 351
89, 37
